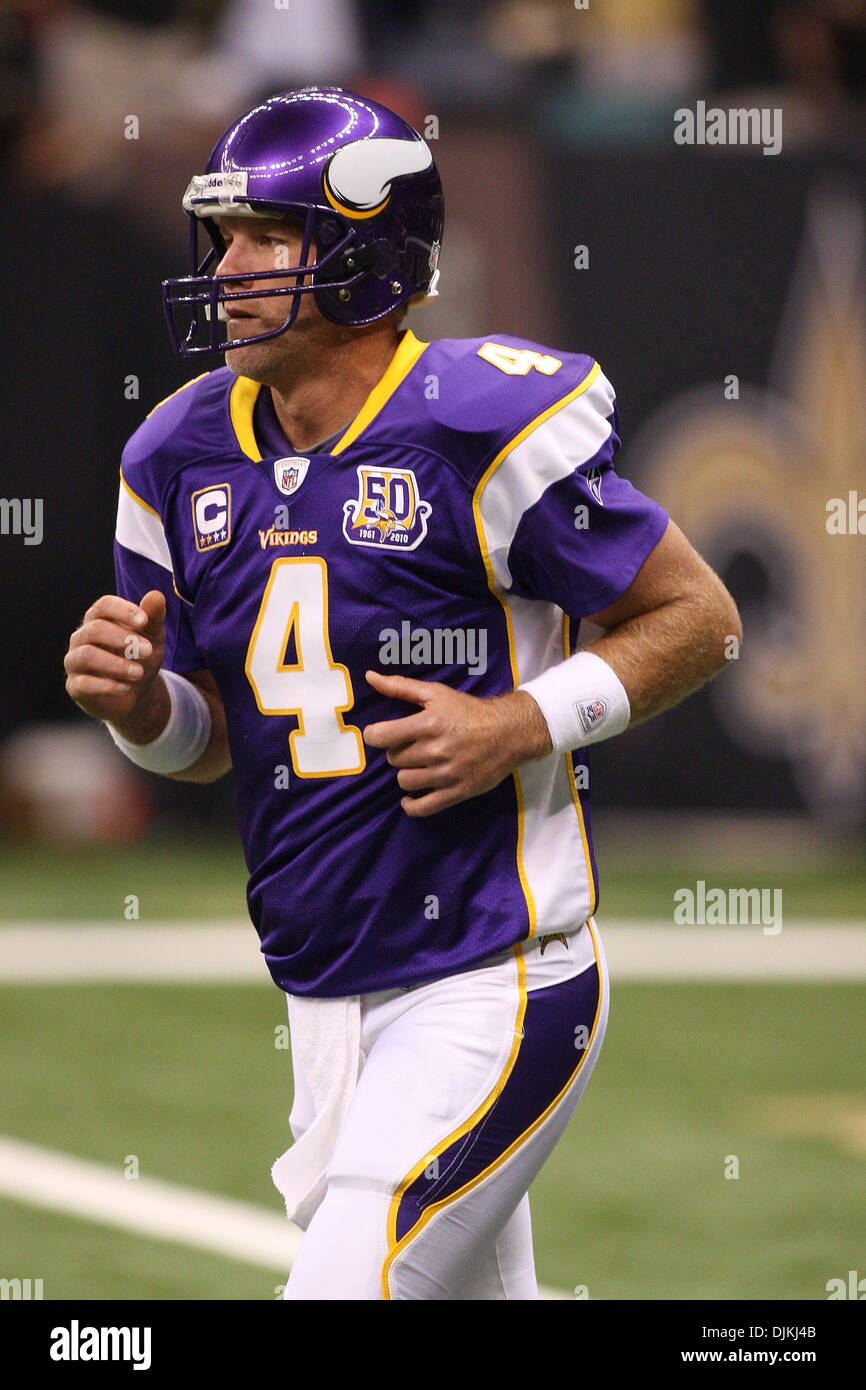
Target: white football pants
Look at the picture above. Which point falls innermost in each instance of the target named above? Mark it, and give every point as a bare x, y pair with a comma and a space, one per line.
466, 1085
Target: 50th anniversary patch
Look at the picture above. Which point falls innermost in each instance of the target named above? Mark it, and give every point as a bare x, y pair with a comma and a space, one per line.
387, 511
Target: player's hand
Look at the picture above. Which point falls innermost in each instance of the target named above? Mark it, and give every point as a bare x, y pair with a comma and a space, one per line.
113, 661
456, 746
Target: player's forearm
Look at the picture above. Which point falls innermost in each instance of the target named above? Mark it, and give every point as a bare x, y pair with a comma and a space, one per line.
151, 715
524, 728
216, 760
664, 655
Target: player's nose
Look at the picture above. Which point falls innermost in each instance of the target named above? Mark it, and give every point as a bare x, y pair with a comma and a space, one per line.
236, 261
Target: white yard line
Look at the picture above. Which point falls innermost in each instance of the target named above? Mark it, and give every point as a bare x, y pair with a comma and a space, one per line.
148, 1207
151, 1208
804, 953
227, 953
160, 952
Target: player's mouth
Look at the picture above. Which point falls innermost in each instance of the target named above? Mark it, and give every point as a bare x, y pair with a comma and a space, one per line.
241, 320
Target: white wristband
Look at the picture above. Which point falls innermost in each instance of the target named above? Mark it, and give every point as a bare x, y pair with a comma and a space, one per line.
185, 736
582, 700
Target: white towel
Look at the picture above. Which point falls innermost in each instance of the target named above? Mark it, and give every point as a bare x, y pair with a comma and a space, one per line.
326, 1048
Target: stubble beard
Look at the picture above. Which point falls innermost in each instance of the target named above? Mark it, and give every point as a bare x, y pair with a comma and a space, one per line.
277, 361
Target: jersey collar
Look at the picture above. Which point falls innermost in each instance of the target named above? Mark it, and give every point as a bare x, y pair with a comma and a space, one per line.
245, 391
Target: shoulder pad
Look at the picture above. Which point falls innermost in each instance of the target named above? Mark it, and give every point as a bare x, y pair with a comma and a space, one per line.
498, 385
187, 423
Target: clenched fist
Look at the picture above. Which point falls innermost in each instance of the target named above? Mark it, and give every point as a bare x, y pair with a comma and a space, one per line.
114, 660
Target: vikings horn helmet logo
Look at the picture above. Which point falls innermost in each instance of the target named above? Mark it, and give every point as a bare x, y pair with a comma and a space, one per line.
358, 178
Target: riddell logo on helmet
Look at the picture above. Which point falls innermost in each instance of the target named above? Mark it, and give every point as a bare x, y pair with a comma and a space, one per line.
220, 188
237, 181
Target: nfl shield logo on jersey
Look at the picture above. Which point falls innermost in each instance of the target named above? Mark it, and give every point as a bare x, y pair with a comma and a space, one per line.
290, 473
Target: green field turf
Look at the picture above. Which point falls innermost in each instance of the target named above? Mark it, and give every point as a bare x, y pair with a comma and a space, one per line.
84, 1261
633, 1204
205, 879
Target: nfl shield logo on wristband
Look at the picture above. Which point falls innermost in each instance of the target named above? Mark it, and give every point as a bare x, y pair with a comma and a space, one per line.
590, 712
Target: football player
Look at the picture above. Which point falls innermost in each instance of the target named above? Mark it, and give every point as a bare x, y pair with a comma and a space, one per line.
352, 566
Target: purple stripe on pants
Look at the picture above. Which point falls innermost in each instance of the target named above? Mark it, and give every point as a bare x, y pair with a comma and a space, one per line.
557, 1027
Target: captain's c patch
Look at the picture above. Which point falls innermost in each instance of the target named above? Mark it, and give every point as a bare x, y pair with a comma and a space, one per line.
212, 516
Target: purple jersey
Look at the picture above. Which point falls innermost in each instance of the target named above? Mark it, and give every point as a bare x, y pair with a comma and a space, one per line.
457, 531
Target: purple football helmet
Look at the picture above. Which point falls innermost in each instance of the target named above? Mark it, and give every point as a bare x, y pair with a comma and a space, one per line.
363, 185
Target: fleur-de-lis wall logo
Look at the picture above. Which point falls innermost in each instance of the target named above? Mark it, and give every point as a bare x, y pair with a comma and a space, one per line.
779, 475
